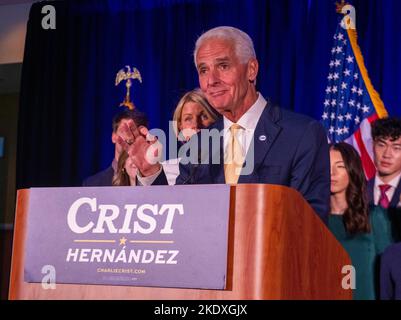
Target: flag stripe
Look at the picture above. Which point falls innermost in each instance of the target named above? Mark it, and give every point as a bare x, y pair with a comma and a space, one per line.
351, 140
351, 104
366, 133
367, 162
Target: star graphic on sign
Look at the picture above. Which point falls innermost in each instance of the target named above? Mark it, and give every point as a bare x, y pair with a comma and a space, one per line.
123, 240
340, 36
347, 72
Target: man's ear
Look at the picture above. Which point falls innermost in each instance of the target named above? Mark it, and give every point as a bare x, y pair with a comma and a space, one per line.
253, 69
114, 138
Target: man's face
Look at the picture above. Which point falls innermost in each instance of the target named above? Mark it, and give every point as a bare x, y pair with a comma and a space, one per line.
387, 155
120, 133
223, 78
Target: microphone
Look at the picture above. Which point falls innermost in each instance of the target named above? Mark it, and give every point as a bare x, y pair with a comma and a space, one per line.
191, 179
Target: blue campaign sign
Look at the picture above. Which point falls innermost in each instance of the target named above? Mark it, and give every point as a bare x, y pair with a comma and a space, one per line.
136, 236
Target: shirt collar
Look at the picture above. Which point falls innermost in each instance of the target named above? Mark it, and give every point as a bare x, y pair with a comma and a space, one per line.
394, 182
250, 119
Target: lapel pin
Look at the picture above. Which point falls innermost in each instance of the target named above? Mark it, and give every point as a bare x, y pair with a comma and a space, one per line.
262, 138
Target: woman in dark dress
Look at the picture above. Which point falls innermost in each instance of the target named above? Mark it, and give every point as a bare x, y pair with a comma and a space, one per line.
363, 232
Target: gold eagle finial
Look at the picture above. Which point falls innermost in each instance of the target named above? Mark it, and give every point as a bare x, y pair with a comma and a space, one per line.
126, 75
340, 6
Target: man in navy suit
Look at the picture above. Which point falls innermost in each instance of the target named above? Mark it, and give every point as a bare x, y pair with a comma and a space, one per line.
385, 188
280, 147
105, 177
390, 273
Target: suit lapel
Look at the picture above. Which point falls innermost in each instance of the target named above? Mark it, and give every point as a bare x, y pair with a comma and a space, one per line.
394, 200
266, 132
396, 197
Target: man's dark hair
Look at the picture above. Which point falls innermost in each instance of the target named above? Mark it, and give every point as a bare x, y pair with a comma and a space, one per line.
139, 118
386, 128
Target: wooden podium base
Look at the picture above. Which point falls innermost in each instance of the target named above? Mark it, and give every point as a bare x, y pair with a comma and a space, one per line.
278, 249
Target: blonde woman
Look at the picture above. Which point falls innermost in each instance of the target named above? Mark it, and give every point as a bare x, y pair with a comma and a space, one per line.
193, 113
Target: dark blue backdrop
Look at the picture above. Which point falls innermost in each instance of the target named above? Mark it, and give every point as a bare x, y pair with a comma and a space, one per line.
68, 95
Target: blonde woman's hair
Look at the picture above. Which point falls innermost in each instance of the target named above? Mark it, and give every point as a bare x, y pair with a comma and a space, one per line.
121, 177
196, 96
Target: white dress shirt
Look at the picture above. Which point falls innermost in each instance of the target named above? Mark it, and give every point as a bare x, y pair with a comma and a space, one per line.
248, 122
171, 169
390, 192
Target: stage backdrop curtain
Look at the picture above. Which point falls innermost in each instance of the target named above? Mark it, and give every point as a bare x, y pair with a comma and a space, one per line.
68, 95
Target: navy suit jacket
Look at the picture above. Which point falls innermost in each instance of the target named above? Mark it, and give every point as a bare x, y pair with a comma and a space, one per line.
100, 179
393, 201
393, 212
290, 150
390, 273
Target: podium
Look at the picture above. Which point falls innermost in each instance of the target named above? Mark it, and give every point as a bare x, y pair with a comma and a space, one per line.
278, 248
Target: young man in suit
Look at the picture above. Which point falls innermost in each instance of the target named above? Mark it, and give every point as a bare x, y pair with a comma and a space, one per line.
280, 147
105, 177
385, 188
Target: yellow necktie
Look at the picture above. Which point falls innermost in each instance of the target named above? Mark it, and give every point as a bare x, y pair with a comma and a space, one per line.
234, 156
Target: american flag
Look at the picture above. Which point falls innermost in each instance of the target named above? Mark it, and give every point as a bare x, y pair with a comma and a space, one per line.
351, 104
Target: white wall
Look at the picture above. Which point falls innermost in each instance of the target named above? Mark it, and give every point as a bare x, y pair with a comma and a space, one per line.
13, 21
